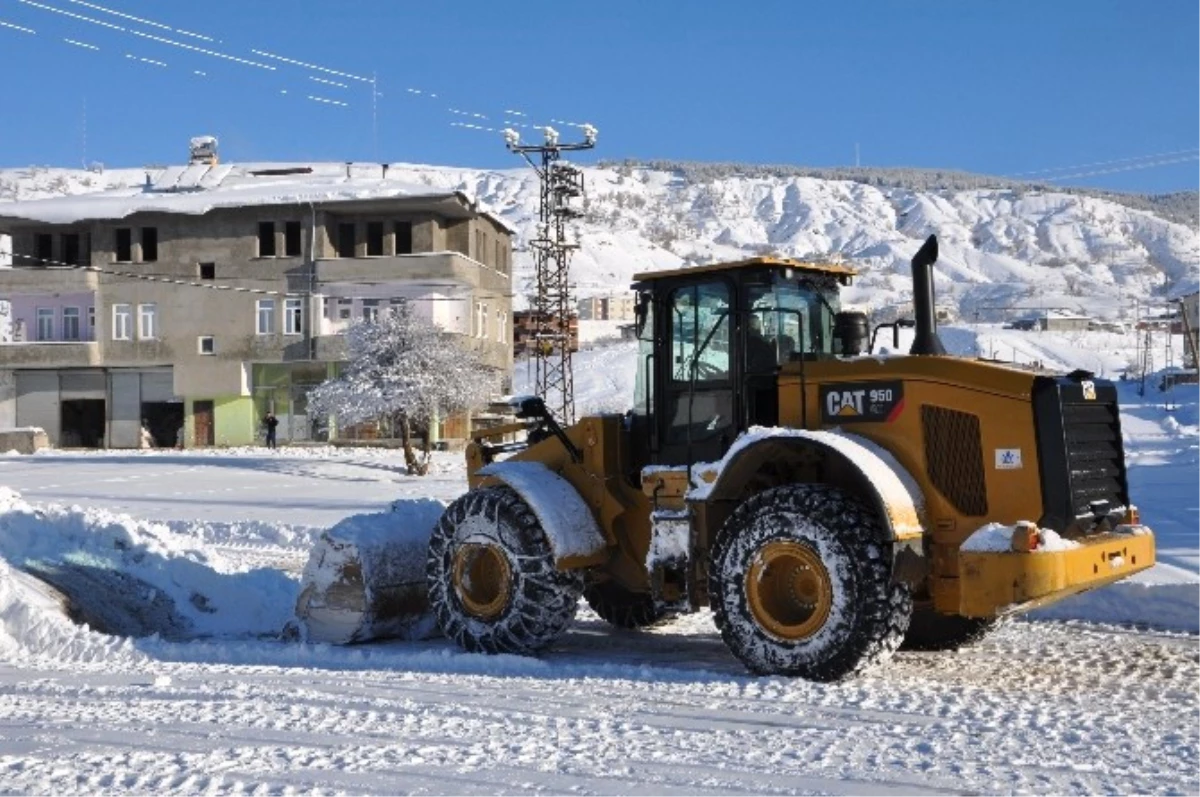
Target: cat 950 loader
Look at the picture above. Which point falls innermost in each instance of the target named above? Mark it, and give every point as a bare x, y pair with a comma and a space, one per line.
828, 505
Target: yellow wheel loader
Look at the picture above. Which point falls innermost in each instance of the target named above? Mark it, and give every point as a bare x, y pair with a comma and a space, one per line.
828, 505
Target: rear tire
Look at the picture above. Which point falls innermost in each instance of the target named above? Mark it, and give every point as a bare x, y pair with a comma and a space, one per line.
619, 606
493, 584
932, 631
800, 583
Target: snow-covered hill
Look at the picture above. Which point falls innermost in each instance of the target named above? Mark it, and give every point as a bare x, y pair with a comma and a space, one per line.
1004, 250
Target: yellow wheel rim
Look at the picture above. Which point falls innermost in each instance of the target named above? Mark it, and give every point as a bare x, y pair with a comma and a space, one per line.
789, 590
481, 578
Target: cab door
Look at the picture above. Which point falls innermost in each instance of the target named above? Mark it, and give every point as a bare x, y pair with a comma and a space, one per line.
699, 418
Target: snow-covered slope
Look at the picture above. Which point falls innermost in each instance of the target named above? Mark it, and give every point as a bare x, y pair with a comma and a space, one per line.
1001, 248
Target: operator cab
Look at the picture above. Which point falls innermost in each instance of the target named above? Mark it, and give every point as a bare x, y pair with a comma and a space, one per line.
712, 342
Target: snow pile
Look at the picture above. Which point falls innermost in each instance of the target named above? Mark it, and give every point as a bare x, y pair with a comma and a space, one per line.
34, 624
997, 537
133, 577
365, 577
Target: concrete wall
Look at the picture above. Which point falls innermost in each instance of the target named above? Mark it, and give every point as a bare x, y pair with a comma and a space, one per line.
235, 421
8, 399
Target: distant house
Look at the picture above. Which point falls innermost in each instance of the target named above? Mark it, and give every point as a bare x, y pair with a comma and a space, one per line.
525, 332
1054, 320
615, 307
1062, 321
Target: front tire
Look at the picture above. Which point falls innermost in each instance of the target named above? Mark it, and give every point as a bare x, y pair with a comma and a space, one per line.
800, 584
493, 584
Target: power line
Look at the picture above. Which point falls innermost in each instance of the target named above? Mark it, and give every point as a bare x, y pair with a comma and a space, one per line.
227, 57
1077, 167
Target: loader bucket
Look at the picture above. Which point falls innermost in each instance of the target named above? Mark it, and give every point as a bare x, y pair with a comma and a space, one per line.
365, 578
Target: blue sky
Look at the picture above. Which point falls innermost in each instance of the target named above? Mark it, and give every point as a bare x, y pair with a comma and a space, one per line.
991, 87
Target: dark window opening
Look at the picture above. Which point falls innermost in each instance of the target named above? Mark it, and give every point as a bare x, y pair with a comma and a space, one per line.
70, 243
374, 239
346, 241
124, 245
82, 423
149, 244
164, 421
208, 271
266, 239
404, 238
291, 239
44, 248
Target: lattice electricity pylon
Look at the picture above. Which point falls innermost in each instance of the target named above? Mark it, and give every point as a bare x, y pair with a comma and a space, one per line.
552, 305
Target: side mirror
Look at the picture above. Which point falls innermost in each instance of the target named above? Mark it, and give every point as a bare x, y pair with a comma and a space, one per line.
851, 330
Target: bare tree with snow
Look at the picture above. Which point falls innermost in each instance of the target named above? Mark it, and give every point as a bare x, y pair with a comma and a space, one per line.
404, 369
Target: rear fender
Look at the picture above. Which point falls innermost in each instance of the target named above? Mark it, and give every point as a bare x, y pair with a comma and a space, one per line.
574, 536
849, 462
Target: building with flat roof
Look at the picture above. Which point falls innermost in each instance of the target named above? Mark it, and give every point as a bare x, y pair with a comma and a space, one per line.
195, 303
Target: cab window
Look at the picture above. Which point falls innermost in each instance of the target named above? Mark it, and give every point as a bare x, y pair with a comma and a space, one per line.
700, 333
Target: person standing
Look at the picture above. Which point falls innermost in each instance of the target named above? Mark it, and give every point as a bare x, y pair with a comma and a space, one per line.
270, 422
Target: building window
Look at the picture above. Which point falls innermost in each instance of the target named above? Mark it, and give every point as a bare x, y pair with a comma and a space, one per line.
208, 271
122, 325
266, 239
293, 316
70, 249
91, 323
206, 344
346, 240
345, 309
44, 248
266, 316
71, 323
45, 323
291, 239
370, 310
375, 239
147, 321
124, 247
149, 244
404, 238
481, 314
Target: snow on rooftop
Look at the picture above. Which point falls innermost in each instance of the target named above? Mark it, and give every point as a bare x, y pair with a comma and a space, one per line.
200, 188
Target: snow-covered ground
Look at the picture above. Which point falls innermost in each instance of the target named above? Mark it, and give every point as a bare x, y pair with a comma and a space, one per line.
206, 549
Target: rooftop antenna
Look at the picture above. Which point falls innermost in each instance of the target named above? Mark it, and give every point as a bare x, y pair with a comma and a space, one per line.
560, 183
375, 116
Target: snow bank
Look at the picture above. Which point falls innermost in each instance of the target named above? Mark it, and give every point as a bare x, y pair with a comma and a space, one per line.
34, 624
133, 577
365, 577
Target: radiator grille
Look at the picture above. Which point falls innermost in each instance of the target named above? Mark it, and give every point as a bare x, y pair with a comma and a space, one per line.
1094, 458
954, 457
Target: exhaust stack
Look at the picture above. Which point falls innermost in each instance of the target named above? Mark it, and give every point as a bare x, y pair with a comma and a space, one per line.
926, 340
